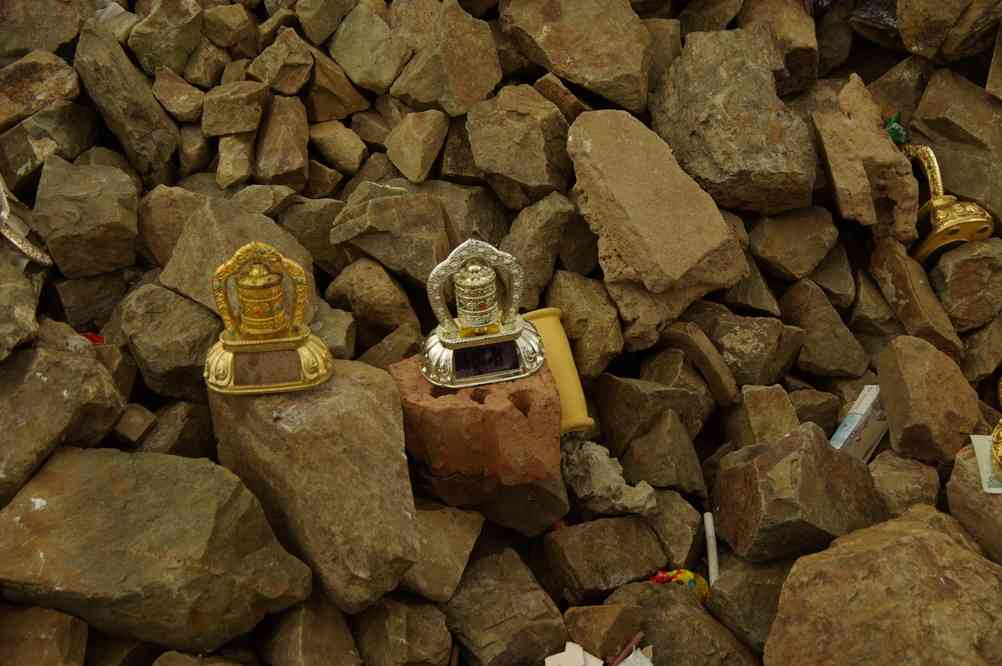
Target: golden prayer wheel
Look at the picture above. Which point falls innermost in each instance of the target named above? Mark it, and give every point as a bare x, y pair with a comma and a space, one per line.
262, 350
950, 222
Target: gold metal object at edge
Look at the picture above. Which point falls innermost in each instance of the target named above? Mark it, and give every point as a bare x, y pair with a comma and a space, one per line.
951, 222
263, 325
997, 450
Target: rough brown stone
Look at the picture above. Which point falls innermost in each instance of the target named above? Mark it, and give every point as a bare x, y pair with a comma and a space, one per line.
371, 126
900, 89
595, 481
689, 394
286, 65
752, 293
973, 31
322, 181
968, 281
32, 83
664, 242
446, 537
617, 60
753, 155
834, 276
313, 633
235, 70
339, 146
182, 659
73, 508
679, 528
234, 108
87, 303
377, 169
709, 15
41, 637
320, 18
57, 336
181, 429
181, 99
553, 89
534, 240
976, 510
745, 597
817, 407
603, 630
830, 349
871, 313
414, 144
871, 178
104, 650
18, 303
63, 128
308, 220
281, 155
501, 615
161, 217
211, 236
376, 300
679, 629
700, 352
902, 482
924, 27
367, 48
664, 456
169, 337
119, 362
232, 27
666, 45
983, 352
589, 318
896, 568
206, 65
270, 200
41, 24
793, 244
403, 342
330, 94
764, 416
599, 556
906, 288
470, 211
99, 155
399, 631
133, 423
519, 114
793, 496
236, 160
795, 36
87, 215
167, 35
457, 156
194, 153
994, 84
336, 515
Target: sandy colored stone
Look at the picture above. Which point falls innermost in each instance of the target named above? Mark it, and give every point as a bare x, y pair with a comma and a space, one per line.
337, 328
161, 217
371, 126
902, 482
371, 54
983, 352
63, 128
446, 537
308, 220
194, 152
33, 82
181, 429
753, 292
589, 318
900, 88
793, 244
764, 416
679, 528
235, 70
834, 275
167, 35
968, 280
41, 24
603, 630
330, 94
595, 481
666, 45
281, 156
690, 396
817, 407
286, 65
41, 637
169, 337
401, 630
181, 99
665, 457
704, 355
830, 348
18, 303
618, 56
121, 577
924, 26
270, 200
376, 169
895, 569
553, 89
745, 597
206, 65
311, 634
755, 154
133, 423
232, 27
708, 15
976, 510
415, 143
905, 286
335, 515
871, 314
339, 146
973, 31
236, 159
234, 108
322, 181
106, 157
500, 614
534, 240
795, 35
470, 211
793, 496
376, 300
320, 18
403, 342
457, 156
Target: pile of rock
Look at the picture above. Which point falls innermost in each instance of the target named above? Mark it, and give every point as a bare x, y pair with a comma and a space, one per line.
705, 189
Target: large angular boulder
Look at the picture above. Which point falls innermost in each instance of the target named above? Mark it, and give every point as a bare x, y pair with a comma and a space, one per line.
342, 502
312, 633
501, 615
377, 301
82, 553
126, 102
662, 241
161, 217
371, 54
32, 83
719, 111
49, 398
471, 211
399, 631
41, 637
599, 44
914, 379
793, 496
895, 589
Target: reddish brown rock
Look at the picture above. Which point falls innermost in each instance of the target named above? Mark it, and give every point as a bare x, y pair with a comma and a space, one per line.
32, 83
903, 482
41, 637
446, 537
764, 416
794, 32
792, 244
603, 630
553, 89
976, 510
968, 281
818, 407
830, 349
746, 595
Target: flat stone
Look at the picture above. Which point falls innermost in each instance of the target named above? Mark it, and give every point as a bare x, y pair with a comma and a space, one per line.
596, 482
830, 348
446, 537
679, 529
337, 328
206, 65
763, 417
976, 510
377, 301
518, 113
399, 630
553, 89
589, 318
133, 423
793, 244
665, 457
181, 429
592, 558
619, 55
817, 407
181, 99
335, 515
232, 27
534, 240
73, 507
415, 143
339, 146
657, 253
906, 288
312, 633
895, 568
45, 25
792, 497
236, 160
983, 352
63, 128
32, 83
320, 18
967, 280
704, 355
156, 321
281, 156
902, 482
330, 95
41, 637
679, 629
286, 65
371, 54
403, 342
759, 158
603, 630
745, 597
167, 35
872, 179
234, 108
501, 615
211, 236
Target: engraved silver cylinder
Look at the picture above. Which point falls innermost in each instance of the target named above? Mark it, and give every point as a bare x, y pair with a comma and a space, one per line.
476, 295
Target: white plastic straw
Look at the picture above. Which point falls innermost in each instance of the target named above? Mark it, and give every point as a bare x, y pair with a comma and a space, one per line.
711, 547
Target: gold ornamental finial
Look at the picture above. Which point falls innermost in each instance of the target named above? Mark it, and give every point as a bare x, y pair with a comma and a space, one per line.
997, 450
261, 328
951, 222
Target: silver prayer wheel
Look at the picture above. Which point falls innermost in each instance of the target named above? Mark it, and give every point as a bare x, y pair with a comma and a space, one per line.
476, 296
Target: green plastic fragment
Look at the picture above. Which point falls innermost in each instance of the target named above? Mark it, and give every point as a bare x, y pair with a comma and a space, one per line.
895, 130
